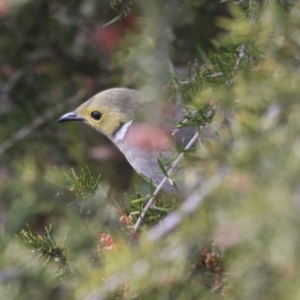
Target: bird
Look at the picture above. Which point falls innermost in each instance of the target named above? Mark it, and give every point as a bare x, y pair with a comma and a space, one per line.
117, 112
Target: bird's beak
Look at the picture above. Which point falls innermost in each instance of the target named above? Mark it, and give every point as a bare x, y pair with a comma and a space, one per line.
71, 116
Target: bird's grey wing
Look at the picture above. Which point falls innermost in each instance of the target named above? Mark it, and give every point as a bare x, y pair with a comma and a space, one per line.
182, 135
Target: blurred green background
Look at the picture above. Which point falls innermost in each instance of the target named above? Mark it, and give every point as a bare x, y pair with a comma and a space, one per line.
56, 54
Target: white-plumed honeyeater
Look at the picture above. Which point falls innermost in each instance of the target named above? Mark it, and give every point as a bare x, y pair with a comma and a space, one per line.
116, 112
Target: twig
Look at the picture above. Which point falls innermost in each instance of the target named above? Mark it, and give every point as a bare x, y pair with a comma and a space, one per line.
238, 61
240, 57
188, 207
155, 193
5, 88
214, 75
24, 131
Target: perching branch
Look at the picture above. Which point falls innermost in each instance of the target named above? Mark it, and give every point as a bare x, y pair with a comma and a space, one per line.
189, 206
157, 190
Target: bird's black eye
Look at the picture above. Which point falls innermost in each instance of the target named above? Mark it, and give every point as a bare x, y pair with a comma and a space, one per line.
96, 115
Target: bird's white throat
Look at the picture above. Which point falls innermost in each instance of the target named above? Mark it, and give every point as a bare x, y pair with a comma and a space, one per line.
121, 133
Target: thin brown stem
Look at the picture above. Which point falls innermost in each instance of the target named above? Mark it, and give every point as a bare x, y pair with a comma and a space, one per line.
159, 187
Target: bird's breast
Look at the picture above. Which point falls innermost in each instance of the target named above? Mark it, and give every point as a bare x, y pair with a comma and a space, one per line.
142, 147
147, 138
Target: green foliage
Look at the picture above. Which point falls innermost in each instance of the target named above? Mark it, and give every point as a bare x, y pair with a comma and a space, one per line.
234, 66
46, 248
83, 185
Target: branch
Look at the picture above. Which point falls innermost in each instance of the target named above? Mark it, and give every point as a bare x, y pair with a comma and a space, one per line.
240, 57
188, 207
6, 88
157, 190
214, 75
49, 114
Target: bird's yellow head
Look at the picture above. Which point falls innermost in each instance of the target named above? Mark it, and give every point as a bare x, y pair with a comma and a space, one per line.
107, 111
